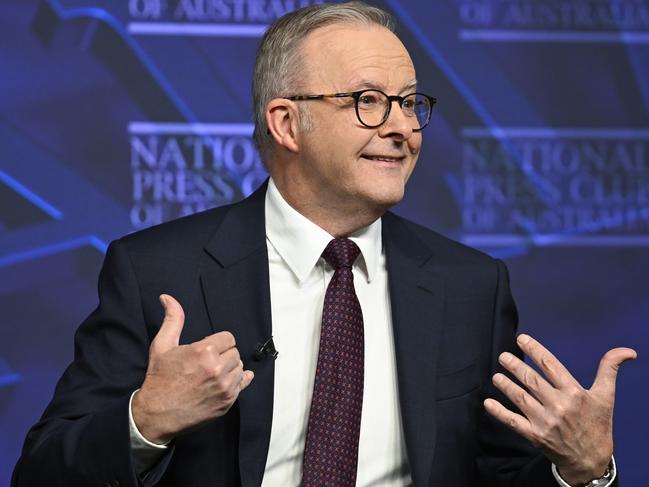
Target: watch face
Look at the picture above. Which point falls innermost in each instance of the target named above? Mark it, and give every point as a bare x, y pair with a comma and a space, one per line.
602, 481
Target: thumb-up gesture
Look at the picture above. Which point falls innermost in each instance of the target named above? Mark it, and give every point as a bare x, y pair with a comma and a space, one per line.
573, 426
186, 386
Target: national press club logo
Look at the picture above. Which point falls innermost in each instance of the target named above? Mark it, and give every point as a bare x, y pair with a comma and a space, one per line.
571, 186
242, 18
179, 168
554, 20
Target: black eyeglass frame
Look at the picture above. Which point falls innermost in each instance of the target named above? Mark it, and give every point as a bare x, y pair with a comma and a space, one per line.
356, 96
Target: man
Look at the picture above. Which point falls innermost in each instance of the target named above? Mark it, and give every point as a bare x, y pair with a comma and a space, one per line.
385, 384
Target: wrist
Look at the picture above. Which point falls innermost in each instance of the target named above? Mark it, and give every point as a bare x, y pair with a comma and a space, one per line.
147, 422
599, 475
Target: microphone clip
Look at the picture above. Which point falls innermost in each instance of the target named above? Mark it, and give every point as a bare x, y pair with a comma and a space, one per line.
266, 349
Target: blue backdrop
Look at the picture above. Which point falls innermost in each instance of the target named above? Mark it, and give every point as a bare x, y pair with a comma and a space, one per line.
116, 115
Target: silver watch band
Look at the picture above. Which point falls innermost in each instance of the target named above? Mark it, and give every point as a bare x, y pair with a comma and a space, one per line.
603, 480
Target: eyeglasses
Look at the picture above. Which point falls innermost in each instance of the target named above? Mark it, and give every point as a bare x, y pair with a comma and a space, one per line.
373, 106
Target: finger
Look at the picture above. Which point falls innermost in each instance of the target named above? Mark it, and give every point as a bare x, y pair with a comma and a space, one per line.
608, 368
222, 341
553, 369
530, 378
230, 359
513, 421
232, 379
248, 375
168, 336
529, 406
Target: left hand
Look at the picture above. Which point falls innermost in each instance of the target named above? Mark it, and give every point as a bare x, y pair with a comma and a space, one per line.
573, 426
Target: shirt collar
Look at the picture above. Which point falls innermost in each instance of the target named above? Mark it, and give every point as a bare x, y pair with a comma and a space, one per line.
300, 242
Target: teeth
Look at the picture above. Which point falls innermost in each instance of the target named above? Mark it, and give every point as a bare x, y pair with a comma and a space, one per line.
380, 158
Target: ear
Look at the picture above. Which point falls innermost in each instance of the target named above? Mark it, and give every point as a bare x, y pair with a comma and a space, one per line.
282, 121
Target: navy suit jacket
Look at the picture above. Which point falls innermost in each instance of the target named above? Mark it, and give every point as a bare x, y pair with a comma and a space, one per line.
452, 314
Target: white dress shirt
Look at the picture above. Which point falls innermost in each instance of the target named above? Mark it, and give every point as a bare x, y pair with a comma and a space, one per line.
298, 281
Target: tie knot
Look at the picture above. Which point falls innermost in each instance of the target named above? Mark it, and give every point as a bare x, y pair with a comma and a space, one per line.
341, 253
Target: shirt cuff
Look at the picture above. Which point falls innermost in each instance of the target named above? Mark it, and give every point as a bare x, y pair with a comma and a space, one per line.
145, 453
138, 441
563, 483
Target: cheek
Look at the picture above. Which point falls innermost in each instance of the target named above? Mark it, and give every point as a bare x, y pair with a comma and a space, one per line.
344, 145
414, 144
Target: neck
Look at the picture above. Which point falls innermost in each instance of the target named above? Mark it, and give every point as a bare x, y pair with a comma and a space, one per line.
335, 217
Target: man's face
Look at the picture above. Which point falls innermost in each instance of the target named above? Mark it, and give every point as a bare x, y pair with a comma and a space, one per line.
344, 164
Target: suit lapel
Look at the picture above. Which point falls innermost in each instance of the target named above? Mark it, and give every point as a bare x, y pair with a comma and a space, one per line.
237, 294
417, 300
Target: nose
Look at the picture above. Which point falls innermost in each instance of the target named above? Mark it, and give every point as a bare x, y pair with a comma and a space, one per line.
398, 125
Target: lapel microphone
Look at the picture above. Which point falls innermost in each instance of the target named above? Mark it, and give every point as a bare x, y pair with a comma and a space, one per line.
266, 349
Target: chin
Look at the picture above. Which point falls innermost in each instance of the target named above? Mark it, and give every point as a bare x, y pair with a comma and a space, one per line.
386, 197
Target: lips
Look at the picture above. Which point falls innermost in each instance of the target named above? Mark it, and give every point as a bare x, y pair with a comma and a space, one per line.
383, 157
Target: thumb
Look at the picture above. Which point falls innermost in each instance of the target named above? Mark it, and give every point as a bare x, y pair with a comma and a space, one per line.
248, 375
169, 334
608, 368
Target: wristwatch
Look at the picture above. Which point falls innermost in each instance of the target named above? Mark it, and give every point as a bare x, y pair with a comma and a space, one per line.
603, 480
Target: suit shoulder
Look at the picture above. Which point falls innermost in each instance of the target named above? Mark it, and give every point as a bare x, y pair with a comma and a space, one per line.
443, 246
187, 231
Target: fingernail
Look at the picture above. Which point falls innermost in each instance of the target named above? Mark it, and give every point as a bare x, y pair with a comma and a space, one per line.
505, 357
163, 300
523, 339
497, 379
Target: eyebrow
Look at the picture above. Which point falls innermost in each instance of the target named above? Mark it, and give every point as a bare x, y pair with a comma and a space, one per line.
375, 85
410, 85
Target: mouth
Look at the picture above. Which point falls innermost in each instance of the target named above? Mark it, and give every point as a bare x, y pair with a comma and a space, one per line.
391, 159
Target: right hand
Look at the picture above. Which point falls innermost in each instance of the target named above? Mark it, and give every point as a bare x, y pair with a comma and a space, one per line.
186, 386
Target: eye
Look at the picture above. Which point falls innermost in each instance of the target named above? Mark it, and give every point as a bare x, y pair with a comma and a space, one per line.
367, 100
408, 103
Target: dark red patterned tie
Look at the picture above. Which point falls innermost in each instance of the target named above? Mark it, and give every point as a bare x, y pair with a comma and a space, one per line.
331, 448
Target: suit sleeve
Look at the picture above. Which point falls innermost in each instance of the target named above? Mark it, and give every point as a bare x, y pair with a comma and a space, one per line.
506, 459
83, 436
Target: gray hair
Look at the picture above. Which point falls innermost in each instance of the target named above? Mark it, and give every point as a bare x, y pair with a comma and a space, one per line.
278, 66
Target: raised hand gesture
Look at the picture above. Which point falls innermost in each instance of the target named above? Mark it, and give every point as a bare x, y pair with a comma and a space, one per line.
186, 386
573, 426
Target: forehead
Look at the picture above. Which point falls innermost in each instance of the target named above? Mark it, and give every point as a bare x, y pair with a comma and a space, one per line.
341, 55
